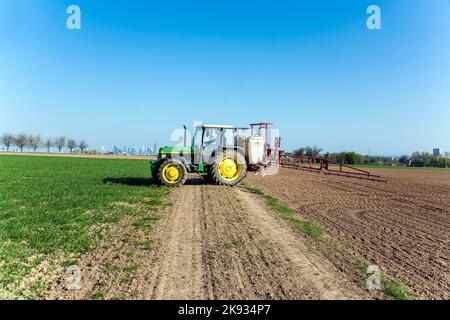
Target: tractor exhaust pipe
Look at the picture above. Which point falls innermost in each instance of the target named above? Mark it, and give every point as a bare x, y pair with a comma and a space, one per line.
185, 135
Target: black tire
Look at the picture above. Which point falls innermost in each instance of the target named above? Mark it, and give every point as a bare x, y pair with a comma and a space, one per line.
154, 169
217, 177
182, 171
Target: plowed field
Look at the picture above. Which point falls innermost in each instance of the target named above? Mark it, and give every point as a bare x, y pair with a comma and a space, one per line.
403, 226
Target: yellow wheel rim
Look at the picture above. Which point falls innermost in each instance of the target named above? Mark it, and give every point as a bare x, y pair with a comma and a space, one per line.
171, 173
230, 168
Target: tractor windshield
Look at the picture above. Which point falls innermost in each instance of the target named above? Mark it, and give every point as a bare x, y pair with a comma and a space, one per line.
220, 137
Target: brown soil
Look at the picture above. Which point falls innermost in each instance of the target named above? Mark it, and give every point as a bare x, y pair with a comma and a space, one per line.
177, 266
211, 242
402, 226
224, 243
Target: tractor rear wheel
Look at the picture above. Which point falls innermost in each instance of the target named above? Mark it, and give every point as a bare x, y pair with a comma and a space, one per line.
229, 168
172, 173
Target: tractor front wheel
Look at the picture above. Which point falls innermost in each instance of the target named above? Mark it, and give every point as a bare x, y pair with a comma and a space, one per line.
172, 173
229, 168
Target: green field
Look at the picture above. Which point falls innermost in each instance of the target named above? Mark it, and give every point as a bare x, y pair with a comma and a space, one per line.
51, 204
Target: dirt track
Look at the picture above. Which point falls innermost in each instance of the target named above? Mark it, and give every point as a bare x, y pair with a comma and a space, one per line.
402, 226
223, 243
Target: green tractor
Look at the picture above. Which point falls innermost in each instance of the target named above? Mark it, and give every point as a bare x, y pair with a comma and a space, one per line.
221, 154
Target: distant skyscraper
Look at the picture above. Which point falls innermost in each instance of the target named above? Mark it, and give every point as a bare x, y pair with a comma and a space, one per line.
141, 151
436, 151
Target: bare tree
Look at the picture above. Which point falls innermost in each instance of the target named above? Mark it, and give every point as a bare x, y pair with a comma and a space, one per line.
300, 152
83, 146
313, 151
48, 144
60, 143
71, 144
21, 140
7, 140
35, 141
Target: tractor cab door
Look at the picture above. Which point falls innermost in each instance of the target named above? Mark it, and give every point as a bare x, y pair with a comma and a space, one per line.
205, 142
212, 140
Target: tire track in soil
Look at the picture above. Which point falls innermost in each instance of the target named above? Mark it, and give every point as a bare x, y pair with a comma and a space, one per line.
178, 272
224, 243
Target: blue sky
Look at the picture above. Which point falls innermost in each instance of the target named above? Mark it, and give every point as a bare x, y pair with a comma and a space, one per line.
139, 69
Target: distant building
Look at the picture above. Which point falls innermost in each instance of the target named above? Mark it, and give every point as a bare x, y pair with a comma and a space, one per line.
447, 154
436, 151
132, 151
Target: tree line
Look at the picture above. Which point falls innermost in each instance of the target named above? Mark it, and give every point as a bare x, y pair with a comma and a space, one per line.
340, 157
425, 159
36, 142
416, 159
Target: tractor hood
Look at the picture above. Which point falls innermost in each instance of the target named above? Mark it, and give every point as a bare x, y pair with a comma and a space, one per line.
164, 151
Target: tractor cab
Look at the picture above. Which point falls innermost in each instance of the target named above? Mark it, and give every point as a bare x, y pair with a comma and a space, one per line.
210, 139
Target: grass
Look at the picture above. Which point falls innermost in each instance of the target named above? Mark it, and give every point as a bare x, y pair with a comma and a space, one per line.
132, 268
396, 290
391, 287
305, 226
50, 204
235, 243
99, 295
146, 222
